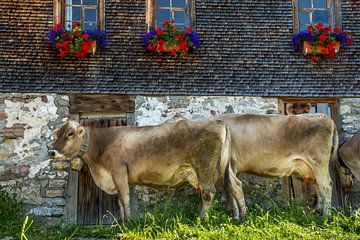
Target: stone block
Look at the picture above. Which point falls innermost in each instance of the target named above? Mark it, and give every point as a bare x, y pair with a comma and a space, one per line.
56, 202
6, 149
60, 165
16, 131
3, 115
13, 172
62, 174
53, 193
57, 183
45, 211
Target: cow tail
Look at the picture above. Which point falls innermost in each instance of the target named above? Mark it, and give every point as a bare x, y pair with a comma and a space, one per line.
335, 143
226, 153
226, 170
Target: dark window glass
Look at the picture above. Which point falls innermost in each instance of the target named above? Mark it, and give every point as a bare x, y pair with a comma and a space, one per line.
304, 18
320, 16
320, 4
163, 3
84, 11
304, 3
171, 10
162, 16
178, 3
90, 2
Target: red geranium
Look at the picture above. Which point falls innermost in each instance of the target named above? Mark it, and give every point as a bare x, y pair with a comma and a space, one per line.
159, 31
314, 58
165, 24
319, 26
337, 30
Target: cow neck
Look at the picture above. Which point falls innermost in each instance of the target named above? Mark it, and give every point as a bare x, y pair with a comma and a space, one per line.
85, 143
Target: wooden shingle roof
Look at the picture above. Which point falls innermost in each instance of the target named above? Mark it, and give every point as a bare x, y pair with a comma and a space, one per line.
245, 51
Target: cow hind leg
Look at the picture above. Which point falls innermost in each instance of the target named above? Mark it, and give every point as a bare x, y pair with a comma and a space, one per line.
237, 199
120, 179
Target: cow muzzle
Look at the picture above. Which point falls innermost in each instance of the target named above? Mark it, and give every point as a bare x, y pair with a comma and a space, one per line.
54, 154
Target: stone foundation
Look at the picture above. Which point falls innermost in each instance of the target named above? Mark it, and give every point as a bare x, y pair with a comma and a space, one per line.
26, 123
350, 124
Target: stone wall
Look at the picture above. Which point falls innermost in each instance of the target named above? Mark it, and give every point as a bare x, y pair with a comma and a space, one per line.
26, 123
350, 124
156, 110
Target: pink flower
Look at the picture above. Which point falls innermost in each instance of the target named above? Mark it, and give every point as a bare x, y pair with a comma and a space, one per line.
189, 30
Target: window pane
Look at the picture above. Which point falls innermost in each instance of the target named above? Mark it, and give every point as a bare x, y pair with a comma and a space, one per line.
320, 16
90, 15
179, 18
162, 16
178, 3
90, 25
304, 18
163, 3
90, 2
68, 25
304, 3
73, 14
303, 27
320, 4
73, 2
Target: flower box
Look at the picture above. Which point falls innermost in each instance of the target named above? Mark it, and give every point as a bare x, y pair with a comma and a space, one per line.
320, 42
76, 42
93, 46
173, 41
309, 49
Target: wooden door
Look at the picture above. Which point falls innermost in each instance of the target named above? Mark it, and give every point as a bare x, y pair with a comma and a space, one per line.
94, 205
293, 188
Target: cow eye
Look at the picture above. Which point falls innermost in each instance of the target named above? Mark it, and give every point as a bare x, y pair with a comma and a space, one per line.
70, 134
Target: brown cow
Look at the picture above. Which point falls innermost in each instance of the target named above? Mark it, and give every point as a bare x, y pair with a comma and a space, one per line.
349, 153
279, 146
163, 156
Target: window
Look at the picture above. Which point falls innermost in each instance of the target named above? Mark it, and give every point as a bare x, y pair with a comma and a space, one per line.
89, 12
181, 11
312, 12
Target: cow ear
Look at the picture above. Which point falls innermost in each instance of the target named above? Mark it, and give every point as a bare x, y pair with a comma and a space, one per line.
290, 109
55, 133
307, 108
81, 131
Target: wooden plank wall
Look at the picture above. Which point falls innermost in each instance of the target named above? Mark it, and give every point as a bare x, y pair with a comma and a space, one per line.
101, 103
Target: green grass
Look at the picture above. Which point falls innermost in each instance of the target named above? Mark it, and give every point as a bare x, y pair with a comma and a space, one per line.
178, 219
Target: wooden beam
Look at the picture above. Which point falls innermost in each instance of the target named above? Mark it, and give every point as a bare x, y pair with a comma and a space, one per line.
102, 103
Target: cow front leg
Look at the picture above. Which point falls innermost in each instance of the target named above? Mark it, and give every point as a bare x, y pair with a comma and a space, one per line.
120, 179
324, 191
207, 197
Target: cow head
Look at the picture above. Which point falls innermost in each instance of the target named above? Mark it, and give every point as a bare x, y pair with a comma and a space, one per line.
69, 141
298, 108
